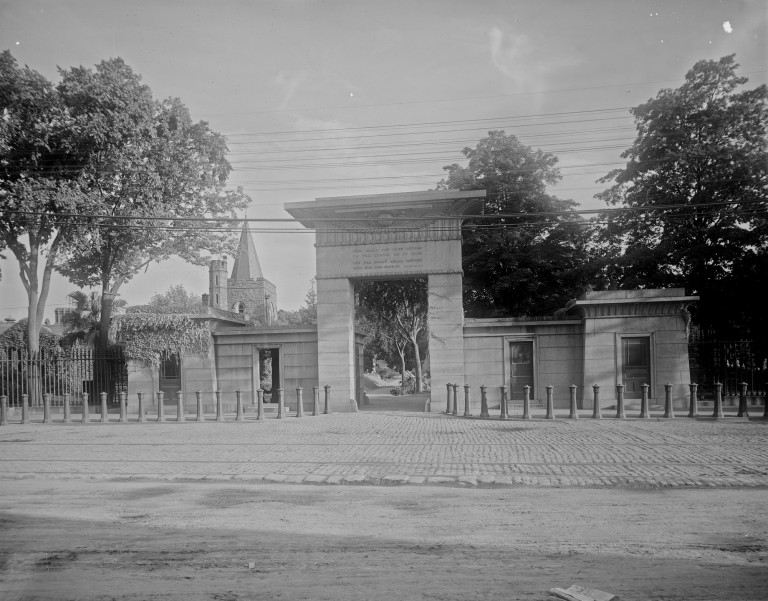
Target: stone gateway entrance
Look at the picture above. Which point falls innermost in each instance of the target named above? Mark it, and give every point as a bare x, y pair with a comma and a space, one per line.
388, 236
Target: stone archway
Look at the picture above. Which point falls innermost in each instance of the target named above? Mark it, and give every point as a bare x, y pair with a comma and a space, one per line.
413, 234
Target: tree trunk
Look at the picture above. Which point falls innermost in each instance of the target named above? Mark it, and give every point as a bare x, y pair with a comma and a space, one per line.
417, 355
401, 352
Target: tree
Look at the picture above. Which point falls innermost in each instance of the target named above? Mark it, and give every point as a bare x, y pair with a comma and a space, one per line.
695, 181
39, 181
177, 300
403, 306
305, 316
151, 177
518, 264
84, 318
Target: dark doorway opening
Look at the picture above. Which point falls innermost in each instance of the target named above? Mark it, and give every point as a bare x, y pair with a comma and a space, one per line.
269, 376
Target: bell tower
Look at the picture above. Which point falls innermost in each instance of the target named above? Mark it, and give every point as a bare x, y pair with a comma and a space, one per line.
217, 284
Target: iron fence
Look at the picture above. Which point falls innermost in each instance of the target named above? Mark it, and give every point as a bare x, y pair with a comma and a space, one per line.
59, 372
730, 363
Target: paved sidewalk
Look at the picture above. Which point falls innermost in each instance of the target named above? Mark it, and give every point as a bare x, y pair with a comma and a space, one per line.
399, 448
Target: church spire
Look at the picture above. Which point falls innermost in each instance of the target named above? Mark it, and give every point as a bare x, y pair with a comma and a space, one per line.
247, 265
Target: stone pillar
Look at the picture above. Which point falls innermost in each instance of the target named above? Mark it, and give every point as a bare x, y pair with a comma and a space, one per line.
447, 399
574, 411
620, 402
141, 407
260, 404
446, 327
484, 401
123, 409
299, 402
3, 410
280, 392
743, 411
160, 406
694, 407
104, 409
46, 407
455, 406
466, 401
526, 402
180, 417
67, 409
315, 400
200, 410
669, 410
503, 413
86, 410
596, 403
327, 399
219, 407
335, 337
718, 412
644, 413
239, 406
550, 403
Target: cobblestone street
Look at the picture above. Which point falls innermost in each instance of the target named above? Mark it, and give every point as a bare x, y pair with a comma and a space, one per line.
392, 448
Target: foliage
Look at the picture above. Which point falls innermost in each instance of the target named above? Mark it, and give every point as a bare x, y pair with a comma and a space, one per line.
40, 178
701, 150
82, 321
146, 336
142, 158
305, 316
525, 264
396, 312
16, 337
177, 300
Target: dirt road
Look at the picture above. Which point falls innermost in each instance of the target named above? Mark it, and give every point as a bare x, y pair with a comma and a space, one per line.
81, 540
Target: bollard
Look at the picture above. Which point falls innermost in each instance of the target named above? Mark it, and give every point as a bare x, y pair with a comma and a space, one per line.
104, 410
484, 401
160, 406
3, 410
123, 409
644, 413
327, 399
526, 402
239, 406
448, 400
765, 403
280, 392
86, 411
550, 403
466, 401
669, 410
596, 403
299, 402
315, 400
141, 417
200, 410
67, 409
503, 413
694, 406
46, 407
219, 407
718, 412
574, 412
620, 402
455, 407
260, 404
180, 417
743, 411
24, 408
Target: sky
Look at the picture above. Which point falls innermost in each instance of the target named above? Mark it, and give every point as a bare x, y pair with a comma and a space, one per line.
341, 98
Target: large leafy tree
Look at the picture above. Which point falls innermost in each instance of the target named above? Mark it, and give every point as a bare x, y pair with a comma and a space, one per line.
399, 311
151, 176
696, 184
517, 261
39, 181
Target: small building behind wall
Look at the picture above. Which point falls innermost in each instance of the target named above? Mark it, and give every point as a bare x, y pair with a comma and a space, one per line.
629, 337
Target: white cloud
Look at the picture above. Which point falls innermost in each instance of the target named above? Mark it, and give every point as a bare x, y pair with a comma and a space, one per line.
727, 27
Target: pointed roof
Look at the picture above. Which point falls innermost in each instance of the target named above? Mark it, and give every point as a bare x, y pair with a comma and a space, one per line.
247, 265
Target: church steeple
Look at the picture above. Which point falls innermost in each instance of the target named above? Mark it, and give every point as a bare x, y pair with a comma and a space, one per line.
247, 265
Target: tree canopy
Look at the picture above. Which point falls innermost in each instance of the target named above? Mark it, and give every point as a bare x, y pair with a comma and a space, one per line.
696, 180
520, 263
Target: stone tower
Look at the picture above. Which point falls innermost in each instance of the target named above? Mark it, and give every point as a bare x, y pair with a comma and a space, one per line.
217, 284
248, 291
